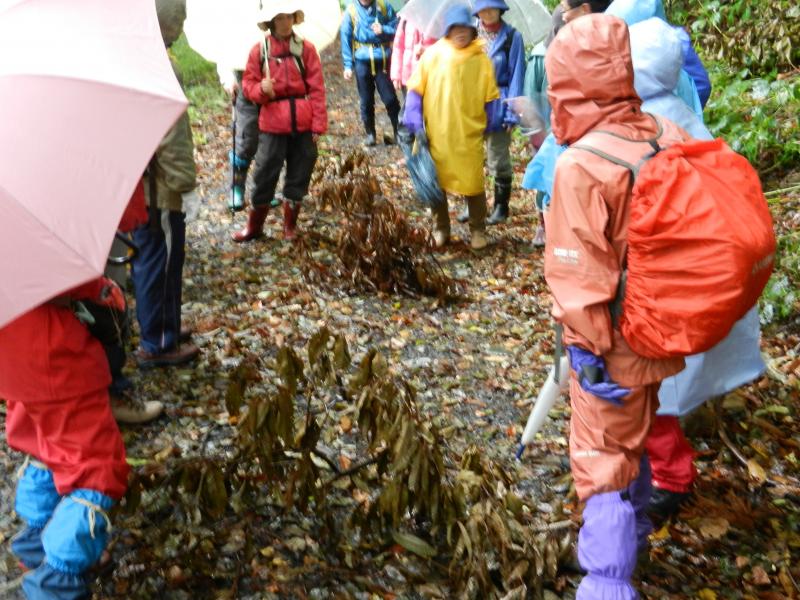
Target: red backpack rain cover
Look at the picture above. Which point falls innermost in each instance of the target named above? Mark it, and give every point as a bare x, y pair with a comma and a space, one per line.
700, 248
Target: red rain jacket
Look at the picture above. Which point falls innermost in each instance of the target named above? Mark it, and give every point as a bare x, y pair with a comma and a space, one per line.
306, 93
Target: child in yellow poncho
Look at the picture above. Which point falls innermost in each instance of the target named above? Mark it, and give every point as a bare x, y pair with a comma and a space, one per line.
449, 95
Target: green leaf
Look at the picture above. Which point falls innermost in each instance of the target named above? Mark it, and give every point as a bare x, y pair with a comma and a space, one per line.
414, 544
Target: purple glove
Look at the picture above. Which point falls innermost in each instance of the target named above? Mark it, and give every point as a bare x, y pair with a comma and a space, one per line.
593, 377
412, 116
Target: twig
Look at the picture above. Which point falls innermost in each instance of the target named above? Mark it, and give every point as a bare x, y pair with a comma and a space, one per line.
778, 192
354, 469
327, 459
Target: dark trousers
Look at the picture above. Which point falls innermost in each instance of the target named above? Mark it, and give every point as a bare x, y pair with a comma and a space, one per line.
367, 83
112, 329
157, 274
246, 125
298, 151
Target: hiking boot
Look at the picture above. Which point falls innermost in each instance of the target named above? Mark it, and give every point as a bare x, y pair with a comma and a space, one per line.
665, 503
290, 211
185, 334
390, 139
441, 226
477, 221
130, 411
478, 240
254, 227
502, 194
179, 356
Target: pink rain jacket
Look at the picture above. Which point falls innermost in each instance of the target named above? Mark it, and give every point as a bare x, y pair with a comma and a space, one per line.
409, 44
590, 79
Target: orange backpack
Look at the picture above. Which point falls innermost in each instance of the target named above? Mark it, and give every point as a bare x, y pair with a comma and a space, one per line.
700, 243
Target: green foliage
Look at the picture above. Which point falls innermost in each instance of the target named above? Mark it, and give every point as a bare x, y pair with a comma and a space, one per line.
199, 79
759, 36
758, 117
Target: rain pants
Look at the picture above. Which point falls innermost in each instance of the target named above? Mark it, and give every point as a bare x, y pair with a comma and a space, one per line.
456, 85
590, 79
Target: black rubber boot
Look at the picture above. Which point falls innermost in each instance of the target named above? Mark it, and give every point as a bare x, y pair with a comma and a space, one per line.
463, 216
502, 194
665, 504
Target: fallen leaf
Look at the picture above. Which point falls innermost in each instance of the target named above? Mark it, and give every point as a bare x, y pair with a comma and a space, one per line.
713, 528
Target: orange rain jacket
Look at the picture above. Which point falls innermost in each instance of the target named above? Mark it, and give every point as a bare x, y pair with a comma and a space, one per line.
590, 79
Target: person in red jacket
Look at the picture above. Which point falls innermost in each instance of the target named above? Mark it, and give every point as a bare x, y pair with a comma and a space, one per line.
54, 377
283, 76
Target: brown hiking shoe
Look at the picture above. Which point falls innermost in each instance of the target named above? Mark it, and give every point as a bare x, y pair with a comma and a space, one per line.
179, 356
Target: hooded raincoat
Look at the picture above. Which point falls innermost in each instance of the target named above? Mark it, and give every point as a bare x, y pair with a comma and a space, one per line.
456, 85
54, 378
591, 88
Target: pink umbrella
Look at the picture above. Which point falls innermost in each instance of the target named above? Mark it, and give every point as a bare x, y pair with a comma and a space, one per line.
86, 94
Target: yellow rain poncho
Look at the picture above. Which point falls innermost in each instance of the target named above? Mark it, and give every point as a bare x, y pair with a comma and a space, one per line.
455, 85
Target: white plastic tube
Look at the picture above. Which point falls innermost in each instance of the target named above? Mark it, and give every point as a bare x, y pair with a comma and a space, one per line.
547, 397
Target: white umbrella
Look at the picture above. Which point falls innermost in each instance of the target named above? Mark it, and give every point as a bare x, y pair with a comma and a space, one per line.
224, 32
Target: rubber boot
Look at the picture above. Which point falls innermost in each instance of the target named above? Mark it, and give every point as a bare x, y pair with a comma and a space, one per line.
441, 226
502, 194
254, 227
240, 168
36, 499
463, 216
607, 548
290, 211
477, 221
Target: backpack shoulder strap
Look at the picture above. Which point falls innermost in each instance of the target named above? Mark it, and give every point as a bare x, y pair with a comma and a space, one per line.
635, 152
509, 42
382, 7
353, 12
296, 50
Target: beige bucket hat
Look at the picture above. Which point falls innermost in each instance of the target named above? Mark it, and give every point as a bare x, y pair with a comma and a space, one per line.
272, 8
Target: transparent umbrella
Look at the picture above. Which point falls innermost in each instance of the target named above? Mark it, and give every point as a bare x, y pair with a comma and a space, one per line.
529, 17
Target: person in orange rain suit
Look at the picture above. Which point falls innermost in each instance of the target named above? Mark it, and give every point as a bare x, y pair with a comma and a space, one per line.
54, 377
613, 391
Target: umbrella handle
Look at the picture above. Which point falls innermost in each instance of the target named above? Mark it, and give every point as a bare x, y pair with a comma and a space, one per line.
124, 260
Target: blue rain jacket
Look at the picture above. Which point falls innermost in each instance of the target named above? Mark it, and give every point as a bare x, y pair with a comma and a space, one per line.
509, 71
360, 42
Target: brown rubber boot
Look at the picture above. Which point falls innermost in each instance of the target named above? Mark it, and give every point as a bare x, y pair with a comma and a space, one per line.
477, 221
254, 227
290, 211
441, 226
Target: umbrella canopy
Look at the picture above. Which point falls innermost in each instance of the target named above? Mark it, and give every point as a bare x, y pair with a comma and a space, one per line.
529, 17
86, 94
225, 32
